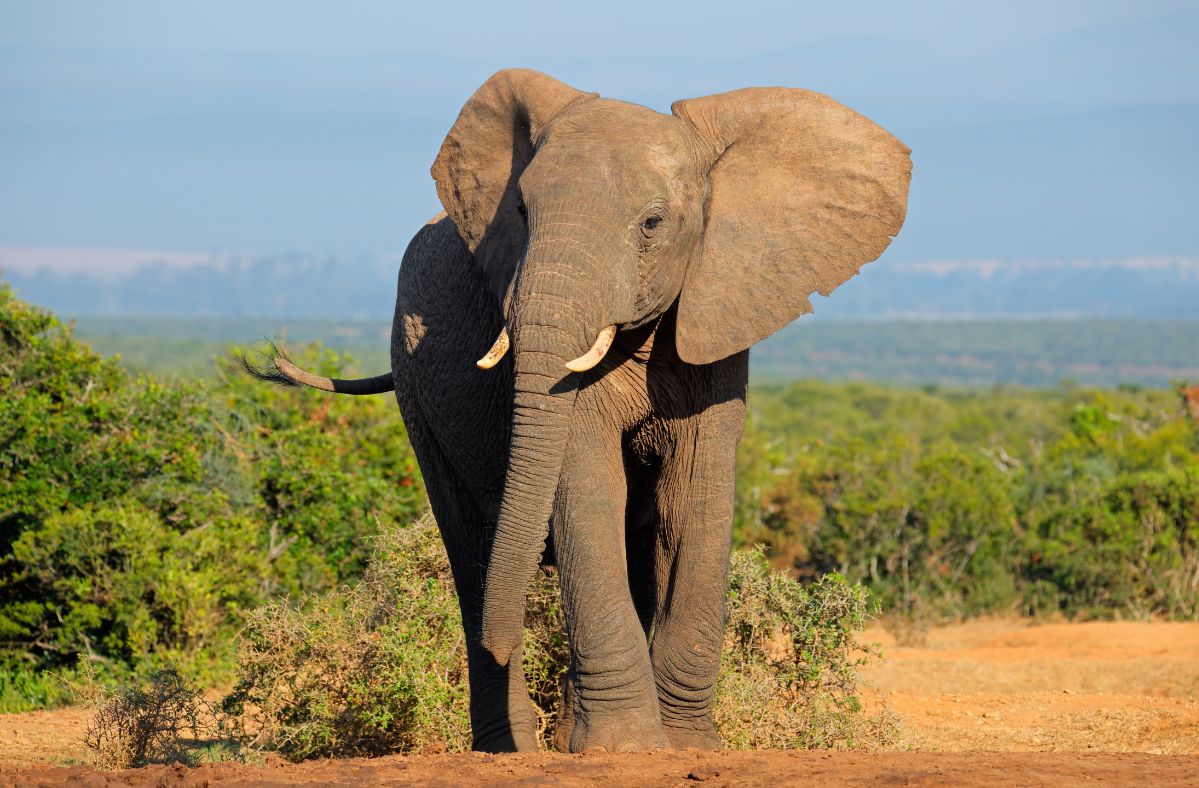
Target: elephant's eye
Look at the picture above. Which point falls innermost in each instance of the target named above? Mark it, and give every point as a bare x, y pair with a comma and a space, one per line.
522, 210
649, 225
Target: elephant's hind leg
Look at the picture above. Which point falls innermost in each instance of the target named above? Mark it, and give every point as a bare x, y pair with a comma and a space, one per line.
501, 712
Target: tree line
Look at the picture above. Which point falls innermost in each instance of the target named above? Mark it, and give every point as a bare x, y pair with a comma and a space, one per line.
142, 519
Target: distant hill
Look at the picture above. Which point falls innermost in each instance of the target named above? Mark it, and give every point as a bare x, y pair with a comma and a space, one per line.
305, 286
285, 285
1134, 287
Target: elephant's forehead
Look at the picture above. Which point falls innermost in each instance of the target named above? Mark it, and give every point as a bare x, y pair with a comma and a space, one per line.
618, 137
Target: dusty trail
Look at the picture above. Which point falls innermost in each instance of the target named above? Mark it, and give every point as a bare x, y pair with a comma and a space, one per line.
984, 703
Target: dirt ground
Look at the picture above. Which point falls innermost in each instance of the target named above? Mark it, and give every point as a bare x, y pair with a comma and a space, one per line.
1015, 687
670, 768
987, 703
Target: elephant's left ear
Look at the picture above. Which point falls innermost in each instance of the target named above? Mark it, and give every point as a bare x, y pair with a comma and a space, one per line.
805, 191
482, 158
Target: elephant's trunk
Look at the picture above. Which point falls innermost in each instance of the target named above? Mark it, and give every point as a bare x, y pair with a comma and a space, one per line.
540, 424
554, 320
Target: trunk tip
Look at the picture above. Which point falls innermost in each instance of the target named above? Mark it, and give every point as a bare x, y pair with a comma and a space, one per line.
500, 648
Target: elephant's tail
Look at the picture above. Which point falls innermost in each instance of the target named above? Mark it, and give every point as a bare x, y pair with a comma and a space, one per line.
286, 373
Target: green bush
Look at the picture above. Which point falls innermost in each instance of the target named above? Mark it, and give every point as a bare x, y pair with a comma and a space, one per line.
126, 586
140, 520
25, 688
951, 504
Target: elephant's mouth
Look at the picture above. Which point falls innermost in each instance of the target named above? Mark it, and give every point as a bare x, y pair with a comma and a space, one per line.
599, 349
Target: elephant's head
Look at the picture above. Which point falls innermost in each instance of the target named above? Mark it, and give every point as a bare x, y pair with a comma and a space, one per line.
587, 214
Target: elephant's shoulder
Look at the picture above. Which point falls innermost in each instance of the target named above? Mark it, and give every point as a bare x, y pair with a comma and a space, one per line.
442, 295
436, 243
437, 265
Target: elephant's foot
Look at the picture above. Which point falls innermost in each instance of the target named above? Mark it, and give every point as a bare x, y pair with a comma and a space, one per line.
696, 736
563, 733
518, 734
632, 732
509, 741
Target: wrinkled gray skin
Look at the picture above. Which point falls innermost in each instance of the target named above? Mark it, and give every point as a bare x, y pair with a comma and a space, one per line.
696, 234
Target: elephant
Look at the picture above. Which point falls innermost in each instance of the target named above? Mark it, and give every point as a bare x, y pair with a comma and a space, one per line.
570, 356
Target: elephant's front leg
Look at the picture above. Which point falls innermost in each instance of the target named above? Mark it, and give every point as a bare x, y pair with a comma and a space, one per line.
695, 505
614, 700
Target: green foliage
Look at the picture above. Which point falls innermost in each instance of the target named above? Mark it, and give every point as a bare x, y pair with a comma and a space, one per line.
123, 585
25, 688
949, 504
140, 520
788, 677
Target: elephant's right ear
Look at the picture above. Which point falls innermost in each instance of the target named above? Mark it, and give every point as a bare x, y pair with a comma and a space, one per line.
483, 156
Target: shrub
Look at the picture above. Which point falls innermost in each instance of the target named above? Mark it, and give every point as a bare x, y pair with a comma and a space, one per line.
138, 725
126, 586
1129, 544
380, 667
947, 505
24, 688
372, 669
788, 677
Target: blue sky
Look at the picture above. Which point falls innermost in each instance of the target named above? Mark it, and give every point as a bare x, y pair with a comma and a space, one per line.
1039, 129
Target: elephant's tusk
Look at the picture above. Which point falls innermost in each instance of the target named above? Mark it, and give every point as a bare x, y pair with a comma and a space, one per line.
498, 349
597, 352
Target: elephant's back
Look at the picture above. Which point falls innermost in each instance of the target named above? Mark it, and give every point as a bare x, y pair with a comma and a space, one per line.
445, 320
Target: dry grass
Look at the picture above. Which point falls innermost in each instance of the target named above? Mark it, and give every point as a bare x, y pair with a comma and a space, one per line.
160, 722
